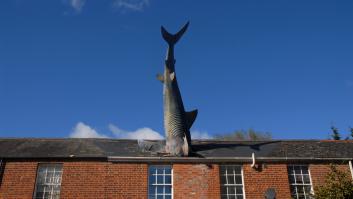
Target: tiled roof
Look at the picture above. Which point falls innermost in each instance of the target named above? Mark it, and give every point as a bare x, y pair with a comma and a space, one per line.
202, 149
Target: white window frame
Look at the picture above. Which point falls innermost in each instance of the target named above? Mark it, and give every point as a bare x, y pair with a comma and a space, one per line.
56, 182
157, 184
300, 184
232, 185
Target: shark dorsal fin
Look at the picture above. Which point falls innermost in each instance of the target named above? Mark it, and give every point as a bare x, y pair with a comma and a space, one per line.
190, 118
172, 76
160, 78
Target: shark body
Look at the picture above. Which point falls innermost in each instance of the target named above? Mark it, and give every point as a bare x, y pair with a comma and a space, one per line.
177, 122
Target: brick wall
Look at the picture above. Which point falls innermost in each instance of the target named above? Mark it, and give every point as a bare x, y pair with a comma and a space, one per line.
318, 172
123, 180
196, 181
18, 180
127, 180
270, 176
104, 180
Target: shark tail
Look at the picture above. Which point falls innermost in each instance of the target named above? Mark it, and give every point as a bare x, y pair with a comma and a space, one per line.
171, 39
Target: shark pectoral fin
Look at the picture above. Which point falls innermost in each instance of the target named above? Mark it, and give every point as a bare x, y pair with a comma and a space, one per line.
172, 76
185, 147
190, 118
160, 78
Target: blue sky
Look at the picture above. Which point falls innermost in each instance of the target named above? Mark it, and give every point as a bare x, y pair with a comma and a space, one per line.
87, 67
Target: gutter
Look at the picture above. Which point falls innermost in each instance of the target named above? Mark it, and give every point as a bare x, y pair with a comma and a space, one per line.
218, 159
350, 167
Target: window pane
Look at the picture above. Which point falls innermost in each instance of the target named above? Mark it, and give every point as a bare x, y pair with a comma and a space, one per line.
224, 196
239, 189
230, 179
160, 189
298, 179
231, 190
231, 196
307, 189
306, 179
305, 170
160, 170
222, 170
168, 179
291, 179
151, 189
223, 179
237, 170
223, 189
293, 190
152, 179
151, 170
168, 189
168, 170
160, 179
238, 179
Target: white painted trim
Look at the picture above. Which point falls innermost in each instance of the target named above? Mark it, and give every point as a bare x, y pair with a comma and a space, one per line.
242, 178
311, 181
253, 160
351, 167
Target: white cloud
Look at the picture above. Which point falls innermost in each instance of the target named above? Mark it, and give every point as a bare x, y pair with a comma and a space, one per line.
77, 5
200, 135
134, 5
139, 134
82, 130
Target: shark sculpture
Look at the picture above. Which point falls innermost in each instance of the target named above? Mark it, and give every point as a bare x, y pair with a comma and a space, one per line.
177, 122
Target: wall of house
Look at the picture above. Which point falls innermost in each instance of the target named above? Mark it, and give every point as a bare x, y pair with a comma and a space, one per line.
18, 180
265, 176
86, 179
196, 181
104, 180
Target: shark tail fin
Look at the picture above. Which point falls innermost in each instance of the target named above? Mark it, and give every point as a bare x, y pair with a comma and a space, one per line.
171, 39
190, 118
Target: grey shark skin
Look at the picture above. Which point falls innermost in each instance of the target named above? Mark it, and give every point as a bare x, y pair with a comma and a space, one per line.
177, 122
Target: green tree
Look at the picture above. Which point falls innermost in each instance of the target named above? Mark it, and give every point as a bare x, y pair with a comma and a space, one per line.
351, 130
249, 134
338, 185
335, 134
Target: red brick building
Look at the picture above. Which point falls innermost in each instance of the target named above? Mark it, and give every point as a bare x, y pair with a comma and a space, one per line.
108, 168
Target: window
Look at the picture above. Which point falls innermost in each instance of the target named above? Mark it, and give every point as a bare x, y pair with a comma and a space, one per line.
160, 184
299, 181
48, 181
231, 182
